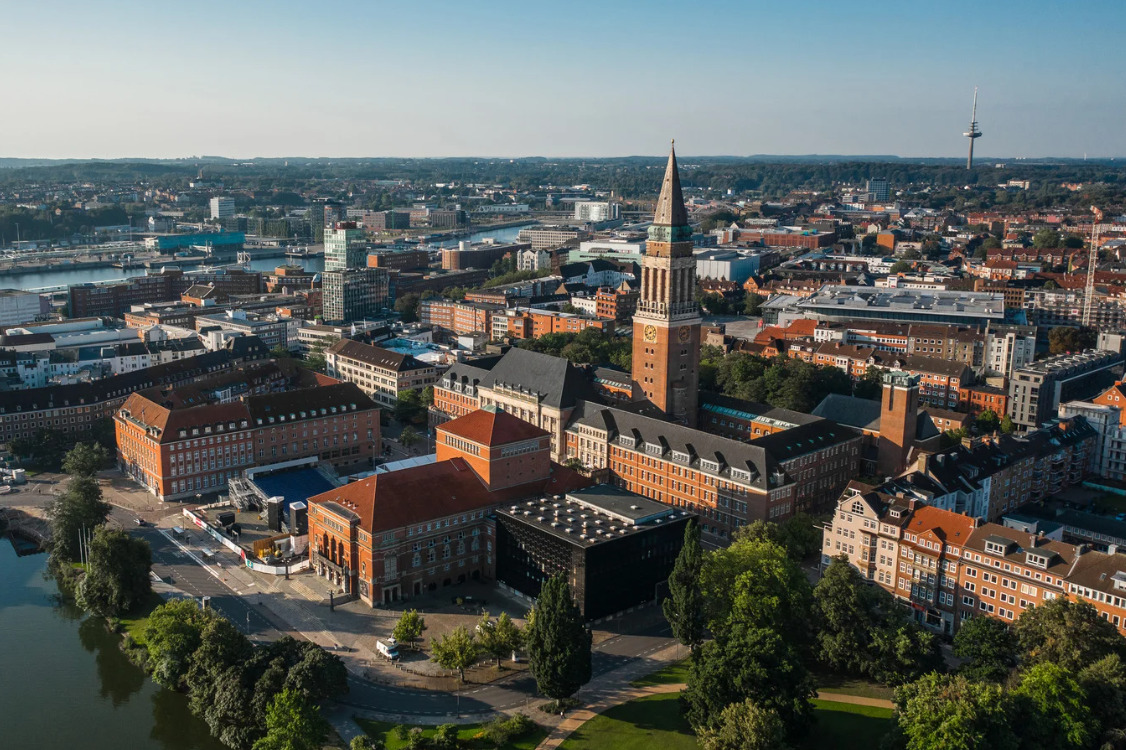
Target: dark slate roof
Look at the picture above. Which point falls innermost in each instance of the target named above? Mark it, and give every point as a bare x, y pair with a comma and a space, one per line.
342, 397
670, 210
763, 471
863, 413
376, 356
559, 383
803, 439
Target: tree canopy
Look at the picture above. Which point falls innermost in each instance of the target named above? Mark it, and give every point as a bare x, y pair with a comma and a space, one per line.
117, 573
558, 642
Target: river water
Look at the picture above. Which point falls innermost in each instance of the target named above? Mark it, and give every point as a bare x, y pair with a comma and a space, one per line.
64, 683
94, 275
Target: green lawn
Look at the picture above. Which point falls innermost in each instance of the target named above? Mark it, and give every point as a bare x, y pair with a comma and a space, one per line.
134, 623
846, 726
673, 674
834, 683
382, 730
644, 724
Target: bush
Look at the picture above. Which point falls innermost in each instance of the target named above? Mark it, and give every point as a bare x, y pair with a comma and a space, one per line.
520, 725
401, 732
415, 738
445, 737
563, 704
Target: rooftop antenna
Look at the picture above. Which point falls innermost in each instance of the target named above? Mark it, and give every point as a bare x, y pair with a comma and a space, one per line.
1089, 293
973, 133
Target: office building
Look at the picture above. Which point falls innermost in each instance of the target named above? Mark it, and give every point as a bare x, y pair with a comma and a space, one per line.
375, 539
18, 307
849, 304
345, 246
222, 208
878, 190
551, 237
355, 294
180, 447
479, 254
597, 211
615, 548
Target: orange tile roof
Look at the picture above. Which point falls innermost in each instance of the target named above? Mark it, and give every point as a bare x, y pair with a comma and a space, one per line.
953, 528
422, 493
492, 428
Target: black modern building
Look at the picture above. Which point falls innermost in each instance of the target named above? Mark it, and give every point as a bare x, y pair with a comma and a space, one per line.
616, 548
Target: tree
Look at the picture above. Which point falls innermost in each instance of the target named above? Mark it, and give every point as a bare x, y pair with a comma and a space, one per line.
280, 352
1007, 425
117, 573
684, 606
558, 642
988, 647
756, 583
870, 385
409, 408
1046, 239
987, 421
1051, 709
85, 459
900, 266
745, 726
1050, 285
1063, 339
499, 639
846, 612
172, 635
427, 396
903, 652
742, 663
409, 438
1104, 682
1067, 633
317, 674
752, 305
953, 713
292, 723
407, 307
455, 650
911, 254
79, 507
409, 627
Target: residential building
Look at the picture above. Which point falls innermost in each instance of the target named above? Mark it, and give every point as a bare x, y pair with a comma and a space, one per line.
114, 300
1108, 458
533, 260
380, 373
618, 303
666, 325
615, 548
355, 294
182, 444
76, 409
1037, 389
345, 246
373, 538
270, 329
1009, 348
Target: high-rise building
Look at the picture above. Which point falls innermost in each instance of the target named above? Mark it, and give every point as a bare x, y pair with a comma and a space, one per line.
355, 294
666, 326
345, 246
222, 208
878, 189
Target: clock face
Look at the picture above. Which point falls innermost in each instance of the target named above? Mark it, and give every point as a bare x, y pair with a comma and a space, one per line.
650, 333
684, 334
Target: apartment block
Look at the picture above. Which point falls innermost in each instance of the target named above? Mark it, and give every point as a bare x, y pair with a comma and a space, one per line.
1036, 390
380, 373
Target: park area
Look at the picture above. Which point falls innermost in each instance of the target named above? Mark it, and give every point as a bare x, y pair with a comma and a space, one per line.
655, 721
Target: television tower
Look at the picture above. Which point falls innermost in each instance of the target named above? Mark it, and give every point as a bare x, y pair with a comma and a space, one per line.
973, 133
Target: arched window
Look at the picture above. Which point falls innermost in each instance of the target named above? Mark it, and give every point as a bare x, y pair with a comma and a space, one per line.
416, 561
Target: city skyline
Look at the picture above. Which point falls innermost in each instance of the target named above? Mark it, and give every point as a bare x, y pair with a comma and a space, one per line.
126, 79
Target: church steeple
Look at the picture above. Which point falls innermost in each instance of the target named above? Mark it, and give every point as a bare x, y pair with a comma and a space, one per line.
670, 206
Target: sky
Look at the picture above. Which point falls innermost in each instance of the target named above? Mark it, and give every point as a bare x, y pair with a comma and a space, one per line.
421, 78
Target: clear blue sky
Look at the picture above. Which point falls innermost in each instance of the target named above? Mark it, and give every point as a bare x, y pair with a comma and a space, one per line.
245, 78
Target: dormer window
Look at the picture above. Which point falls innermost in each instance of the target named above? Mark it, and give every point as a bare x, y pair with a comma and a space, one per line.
997, 546
680, 457
653, 449
707, 465
1038, 560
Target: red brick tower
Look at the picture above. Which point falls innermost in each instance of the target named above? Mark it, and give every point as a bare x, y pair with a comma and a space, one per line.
666, 326
899, 406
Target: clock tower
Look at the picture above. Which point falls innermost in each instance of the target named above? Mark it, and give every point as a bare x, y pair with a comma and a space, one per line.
666, 326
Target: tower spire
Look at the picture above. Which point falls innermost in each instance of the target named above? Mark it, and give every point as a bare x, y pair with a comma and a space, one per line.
973, 133
670, 205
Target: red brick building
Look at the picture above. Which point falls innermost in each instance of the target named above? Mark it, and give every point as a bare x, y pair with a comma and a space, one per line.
377, 539
191, 441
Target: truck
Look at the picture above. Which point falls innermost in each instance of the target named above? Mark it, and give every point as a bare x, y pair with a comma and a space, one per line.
388, 648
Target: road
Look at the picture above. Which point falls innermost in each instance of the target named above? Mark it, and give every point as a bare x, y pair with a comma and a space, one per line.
189, 571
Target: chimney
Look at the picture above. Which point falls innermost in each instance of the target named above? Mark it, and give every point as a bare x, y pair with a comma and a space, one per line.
911, 503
